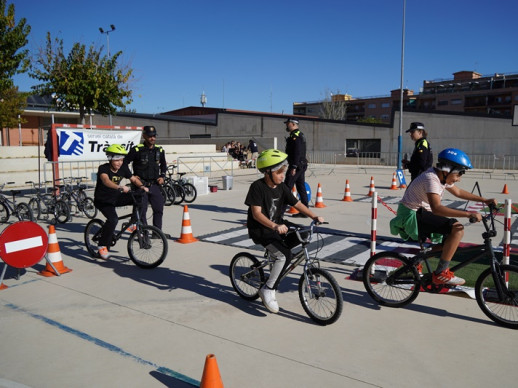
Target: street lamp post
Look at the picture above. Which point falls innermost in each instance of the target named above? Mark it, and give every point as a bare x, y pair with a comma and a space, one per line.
400, 137
112, 28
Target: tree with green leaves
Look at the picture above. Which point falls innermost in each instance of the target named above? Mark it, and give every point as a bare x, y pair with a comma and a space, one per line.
84, 80
12, 104
13, 60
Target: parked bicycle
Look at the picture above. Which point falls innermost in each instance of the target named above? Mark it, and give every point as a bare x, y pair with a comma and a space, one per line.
147, 245
319, 293
75, 196
183, 190
10, 207
43, 205
394, 280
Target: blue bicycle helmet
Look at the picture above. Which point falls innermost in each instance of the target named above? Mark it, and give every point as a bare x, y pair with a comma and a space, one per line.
453, 158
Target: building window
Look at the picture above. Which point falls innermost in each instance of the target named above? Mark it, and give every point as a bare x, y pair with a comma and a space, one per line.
442, 102
371, 106
385, 105
456, 101
363, 147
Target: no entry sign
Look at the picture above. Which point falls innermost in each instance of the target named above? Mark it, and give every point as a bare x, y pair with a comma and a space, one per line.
23, 244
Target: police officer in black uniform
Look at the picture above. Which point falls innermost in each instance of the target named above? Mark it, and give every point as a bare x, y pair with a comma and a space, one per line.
296, 150
150, 166
422, 157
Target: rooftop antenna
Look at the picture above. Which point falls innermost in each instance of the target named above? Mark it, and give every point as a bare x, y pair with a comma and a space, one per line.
203, 99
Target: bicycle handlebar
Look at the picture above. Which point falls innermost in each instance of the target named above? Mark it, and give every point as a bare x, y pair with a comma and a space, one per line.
301, 229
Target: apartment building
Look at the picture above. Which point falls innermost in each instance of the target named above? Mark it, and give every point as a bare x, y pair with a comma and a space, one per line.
467, 92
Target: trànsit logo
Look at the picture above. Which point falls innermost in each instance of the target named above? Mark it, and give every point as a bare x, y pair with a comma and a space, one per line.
71, 143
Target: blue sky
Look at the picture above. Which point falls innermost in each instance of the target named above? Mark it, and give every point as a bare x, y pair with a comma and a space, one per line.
265, 55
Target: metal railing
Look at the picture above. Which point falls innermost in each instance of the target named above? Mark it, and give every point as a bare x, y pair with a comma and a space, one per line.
489, 163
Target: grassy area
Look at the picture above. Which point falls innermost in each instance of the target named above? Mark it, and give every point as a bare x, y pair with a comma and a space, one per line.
472, 271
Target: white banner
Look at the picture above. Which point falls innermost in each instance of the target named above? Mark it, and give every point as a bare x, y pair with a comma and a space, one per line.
79, 144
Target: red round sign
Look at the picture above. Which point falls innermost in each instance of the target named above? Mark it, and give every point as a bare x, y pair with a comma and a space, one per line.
23, 244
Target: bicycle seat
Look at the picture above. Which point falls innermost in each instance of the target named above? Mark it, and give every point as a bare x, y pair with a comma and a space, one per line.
182, 173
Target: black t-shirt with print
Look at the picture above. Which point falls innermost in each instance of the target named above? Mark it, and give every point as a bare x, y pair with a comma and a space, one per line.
273, 202
105, 194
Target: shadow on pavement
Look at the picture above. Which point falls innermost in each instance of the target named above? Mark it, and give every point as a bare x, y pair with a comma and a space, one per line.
170, 381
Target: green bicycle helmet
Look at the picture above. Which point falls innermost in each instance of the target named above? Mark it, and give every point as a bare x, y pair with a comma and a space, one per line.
272, 160
116, 152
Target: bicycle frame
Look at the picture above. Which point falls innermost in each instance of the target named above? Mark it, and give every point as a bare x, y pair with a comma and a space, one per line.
135, 216
299, 257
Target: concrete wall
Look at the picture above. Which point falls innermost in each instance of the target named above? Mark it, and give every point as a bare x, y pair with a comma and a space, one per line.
475, 135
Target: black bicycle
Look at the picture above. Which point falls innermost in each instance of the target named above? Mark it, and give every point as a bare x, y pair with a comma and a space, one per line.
8, 207
319, 293
46, 204
394, 280
178, 190
147, 245
75, 196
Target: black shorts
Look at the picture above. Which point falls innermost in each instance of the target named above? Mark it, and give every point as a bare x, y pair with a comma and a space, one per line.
429, 223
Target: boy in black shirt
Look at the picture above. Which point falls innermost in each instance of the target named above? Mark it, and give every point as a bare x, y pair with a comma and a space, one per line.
266, 199
109, 194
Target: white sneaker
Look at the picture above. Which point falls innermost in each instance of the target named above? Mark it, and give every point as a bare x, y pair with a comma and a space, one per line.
268, 298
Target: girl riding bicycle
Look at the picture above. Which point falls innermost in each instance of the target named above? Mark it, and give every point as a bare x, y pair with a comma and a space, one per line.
109, 194
266, 200
421, 215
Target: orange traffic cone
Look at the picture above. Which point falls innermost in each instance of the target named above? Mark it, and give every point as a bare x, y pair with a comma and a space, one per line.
371, 188
394, 183
186, 236
292, 209
320, 200
54, 256
211, 377
505, 190
347, 194
3, 286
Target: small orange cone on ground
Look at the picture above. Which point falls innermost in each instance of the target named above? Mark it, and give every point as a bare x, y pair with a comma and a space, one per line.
211, 377
394, 183
320, 200
54, 256
186, 237
2, 286
347, 194
371, 188
505, 190
292, 209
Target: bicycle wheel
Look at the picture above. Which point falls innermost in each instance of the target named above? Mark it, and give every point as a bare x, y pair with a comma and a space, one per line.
61, 211
68, 199
321, 296
89, 208
503, 311
390, 280
168, 194
179, 193
4, 213
81, 195
35, 206
92, 234
190, 192
147, 247
246, 275
24, 212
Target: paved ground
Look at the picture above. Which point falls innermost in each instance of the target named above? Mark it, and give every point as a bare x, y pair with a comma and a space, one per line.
109, 324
